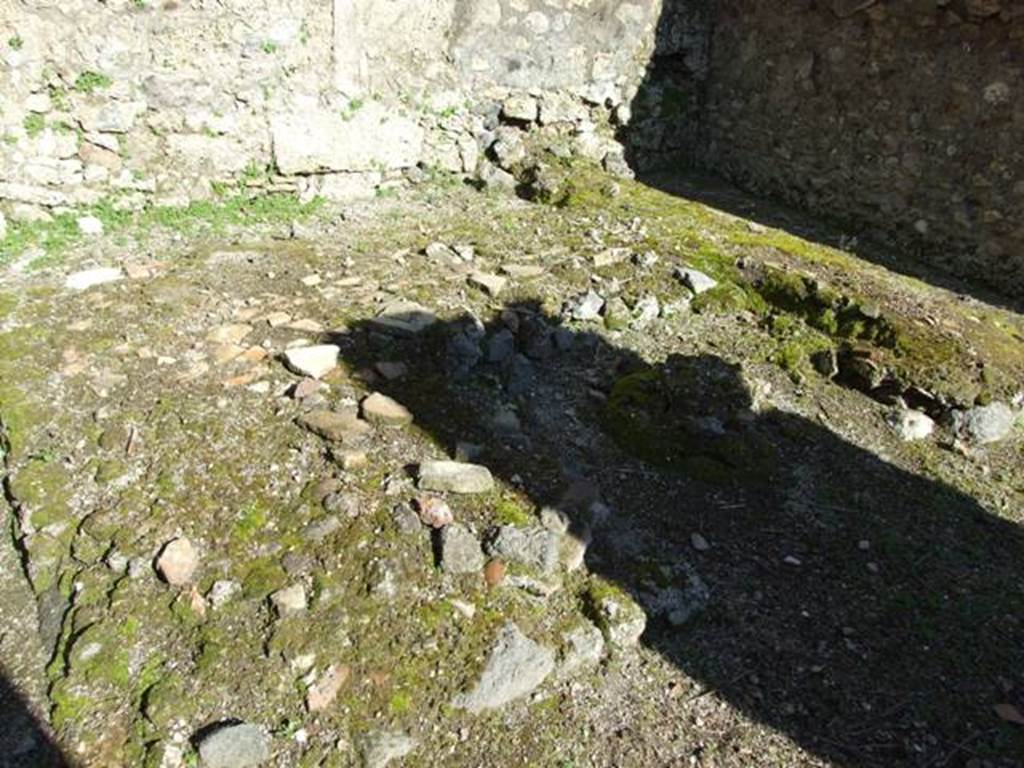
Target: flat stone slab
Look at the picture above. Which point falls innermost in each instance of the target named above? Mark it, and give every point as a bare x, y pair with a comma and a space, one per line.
79, 281
404, 318
516, 667
384, 411
455, 477
490, 284
235, 746
315, 362
695, 280
338, 427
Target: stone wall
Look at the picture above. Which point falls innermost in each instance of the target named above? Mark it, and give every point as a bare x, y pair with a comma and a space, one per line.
903, 118
144, 101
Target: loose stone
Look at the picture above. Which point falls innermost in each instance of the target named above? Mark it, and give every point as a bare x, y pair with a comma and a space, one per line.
460, 550
434, 512
235, 746
177, 562
694, 279
455, 477
315, 362
289, 600
516, 667
382, 410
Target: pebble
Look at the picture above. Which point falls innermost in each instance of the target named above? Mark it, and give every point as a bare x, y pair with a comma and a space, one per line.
522, 271
494, 572
381, 747
336, 426
584, 648
536, 546
382, 410
90, 225
796, 562
699, 543
315, 362
325, 690
229, 334
351, 460
79, 281
434, 512
289, 600
501, 346
587, 307
984, 424
222, 592
610, 256
455, 477
516, 667
490, 284
911, 425
177, 562
391, 371
239, 745
694, 279
404, 318
460, 550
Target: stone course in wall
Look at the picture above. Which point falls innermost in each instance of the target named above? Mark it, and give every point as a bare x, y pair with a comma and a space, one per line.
147, 101
901, 118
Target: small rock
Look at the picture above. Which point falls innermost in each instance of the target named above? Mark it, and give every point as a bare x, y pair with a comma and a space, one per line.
235, 746
522, 271
610, 256
391, 371
325, 690
792, 560
406, 521
381, 410
587, 307
434, 512
315, 362
467, 451
515, 668
460, 550
455, 477
350, 460
622, 619
79, 281
911, 425
440, 252
490, 284
289, 600
318, 530
404, 318
645, 312
339, 427
177, 562
536, 547
494, 572
699, 543
222, 592
305, 388
584, 648
229, 334
984, 424
694, 279
520, 108
381, 747
90, 225
616, 314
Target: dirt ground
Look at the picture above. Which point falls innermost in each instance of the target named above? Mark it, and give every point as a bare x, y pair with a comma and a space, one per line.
816, 590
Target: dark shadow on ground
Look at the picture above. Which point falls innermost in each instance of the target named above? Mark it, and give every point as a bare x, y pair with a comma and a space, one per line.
889, 639
665, 142
24, 741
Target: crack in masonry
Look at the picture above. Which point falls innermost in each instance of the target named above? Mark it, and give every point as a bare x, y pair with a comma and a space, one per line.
11, 501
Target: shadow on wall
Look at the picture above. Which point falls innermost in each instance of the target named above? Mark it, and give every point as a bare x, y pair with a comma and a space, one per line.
669, 135
24, 741
871, 615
